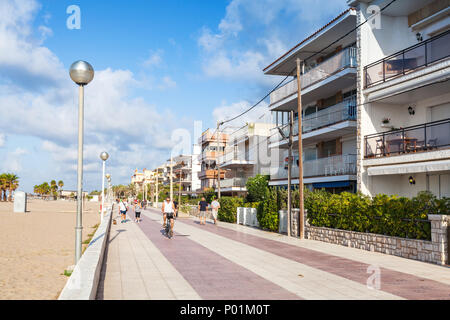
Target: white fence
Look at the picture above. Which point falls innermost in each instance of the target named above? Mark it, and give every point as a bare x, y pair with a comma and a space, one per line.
247, 217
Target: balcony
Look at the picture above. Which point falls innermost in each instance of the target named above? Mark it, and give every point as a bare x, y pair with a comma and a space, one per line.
420, 138
418, 56
209, 137
323, 167
210, 174
342, 60
345, 110
235, 159
233, 183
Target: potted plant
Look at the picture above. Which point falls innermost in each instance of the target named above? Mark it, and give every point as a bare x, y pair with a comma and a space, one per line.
385, 123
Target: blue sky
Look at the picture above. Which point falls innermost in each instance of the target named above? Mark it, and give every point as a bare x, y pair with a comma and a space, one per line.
160, 66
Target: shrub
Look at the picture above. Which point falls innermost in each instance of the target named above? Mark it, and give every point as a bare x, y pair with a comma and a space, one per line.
209, 195
251, 205
256, 188
388, 215
267, 213
228, 208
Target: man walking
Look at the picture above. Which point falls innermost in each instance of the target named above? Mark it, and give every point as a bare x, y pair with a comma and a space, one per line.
123, 210
215, 205
202, 206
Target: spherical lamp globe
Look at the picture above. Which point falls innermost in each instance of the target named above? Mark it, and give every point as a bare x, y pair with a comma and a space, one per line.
104, 155
81, 72
108, 176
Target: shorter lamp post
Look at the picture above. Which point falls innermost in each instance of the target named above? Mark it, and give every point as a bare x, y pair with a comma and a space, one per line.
104, 156
108, 178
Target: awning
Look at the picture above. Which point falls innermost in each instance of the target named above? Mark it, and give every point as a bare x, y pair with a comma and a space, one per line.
429, 166
332, 184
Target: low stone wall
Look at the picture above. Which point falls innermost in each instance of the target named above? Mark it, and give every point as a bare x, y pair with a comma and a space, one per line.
83, 283
434, 251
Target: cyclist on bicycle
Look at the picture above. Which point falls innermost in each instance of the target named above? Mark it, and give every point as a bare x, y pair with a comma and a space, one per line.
168, 210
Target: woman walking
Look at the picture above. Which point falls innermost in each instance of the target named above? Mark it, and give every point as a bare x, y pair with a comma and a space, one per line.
137, 211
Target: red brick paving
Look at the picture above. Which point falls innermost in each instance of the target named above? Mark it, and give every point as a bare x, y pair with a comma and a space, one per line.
400, 284
212, 276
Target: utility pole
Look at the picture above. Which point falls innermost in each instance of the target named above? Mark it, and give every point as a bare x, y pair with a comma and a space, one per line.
179, 188
289, 211
301, 222
171, 178
155, 204
217, 160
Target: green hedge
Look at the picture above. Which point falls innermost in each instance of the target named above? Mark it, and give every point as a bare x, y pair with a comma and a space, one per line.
267, 212
228, 208
387, 215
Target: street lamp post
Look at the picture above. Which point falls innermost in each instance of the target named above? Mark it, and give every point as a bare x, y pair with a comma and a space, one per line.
104, 156
108, 178
81, 73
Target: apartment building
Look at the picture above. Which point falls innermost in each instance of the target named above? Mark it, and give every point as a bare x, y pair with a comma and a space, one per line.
328, 83
139, 179
403, 97
245, 156
186, 169
208, 156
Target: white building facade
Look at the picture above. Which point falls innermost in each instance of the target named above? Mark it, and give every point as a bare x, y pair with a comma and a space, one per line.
403, 97
245, 156
328, 82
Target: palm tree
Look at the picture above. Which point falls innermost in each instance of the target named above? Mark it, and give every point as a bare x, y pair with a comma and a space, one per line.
60, 185
53, 188
12, 183
3, 187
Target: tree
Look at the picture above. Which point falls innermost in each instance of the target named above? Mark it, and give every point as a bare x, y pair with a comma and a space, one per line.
53, 188
60, 185
256, 188
3, 187
11, 182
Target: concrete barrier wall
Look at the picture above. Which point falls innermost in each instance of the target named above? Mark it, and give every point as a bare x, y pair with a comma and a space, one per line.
247, 217
83, 283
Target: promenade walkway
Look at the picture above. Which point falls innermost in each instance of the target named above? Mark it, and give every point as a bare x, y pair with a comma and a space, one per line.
230, 261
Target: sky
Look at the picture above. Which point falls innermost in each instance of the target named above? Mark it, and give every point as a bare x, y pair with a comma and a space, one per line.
160, 67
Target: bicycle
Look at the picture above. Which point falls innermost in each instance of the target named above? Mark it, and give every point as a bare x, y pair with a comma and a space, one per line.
169, 233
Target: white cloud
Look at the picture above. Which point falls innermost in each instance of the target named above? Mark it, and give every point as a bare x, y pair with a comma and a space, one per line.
253, 33
38, 99
155, 59
226, 111
12, 162
167, 83
2, 139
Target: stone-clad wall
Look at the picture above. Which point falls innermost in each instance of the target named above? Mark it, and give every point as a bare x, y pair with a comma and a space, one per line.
435, 251
407, 248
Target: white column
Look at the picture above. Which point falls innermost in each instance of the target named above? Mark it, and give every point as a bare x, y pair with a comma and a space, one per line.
103, 191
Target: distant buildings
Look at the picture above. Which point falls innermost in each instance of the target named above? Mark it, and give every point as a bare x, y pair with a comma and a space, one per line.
245, 156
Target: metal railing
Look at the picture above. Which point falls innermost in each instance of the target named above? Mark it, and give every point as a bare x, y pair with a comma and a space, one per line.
329, 166
345, 110
409, 59
424, 137
233, 182
341, 60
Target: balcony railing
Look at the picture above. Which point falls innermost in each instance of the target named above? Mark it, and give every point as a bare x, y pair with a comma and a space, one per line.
330, 166
409, 59
343, 59
233, 182
424, 137
345, 110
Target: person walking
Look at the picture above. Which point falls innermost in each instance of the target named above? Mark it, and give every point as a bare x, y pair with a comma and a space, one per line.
215, 205
123, 210
175, 203
202, 206
168, 209
137, 211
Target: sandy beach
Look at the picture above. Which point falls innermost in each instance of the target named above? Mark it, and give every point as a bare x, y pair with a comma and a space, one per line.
38, 246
